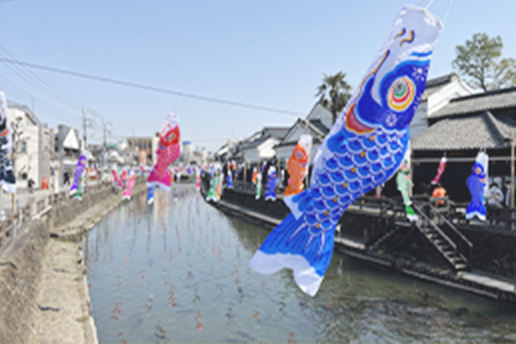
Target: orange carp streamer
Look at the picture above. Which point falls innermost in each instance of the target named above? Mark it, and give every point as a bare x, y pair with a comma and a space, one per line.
297, 165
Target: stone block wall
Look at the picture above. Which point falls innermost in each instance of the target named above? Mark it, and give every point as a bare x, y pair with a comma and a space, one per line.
21, 264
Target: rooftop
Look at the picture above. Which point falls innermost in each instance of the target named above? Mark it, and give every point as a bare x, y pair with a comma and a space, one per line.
13, 105
488, 101
263, 135
482, 130
314, 127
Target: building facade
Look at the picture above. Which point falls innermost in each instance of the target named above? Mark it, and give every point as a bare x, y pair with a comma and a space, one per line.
484, 121
260, 146
33, 146
438, 93
142, 149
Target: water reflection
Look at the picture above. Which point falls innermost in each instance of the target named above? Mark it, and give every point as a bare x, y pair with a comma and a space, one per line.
177, 271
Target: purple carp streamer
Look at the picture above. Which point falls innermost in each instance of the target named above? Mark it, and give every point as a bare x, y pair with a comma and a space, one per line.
364, 148
79, 170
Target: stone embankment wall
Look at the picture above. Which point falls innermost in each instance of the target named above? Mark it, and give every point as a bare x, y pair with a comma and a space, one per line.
21, 263
405, 244
20, 266
493, 251
276, 209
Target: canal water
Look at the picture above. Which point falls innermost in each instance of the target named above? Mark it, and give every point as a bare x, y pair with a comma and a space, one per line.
177, 272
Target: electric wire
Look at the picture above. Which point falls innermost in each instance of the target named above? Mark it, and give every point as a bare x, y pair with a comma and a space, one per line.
56, 114
150, 88
45, 86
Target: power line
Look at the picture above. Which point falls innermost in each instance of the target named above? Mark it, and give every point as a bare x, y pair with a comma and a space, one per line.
14, 89
41, 84
150, 88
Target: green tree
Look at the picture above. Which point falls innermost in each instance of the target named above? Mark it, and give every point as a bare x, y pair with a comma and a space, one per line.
334, 93
479, 61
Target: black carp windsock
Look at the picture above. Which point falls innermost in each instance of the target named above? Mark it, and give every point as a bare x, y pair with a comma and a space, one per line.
7, 181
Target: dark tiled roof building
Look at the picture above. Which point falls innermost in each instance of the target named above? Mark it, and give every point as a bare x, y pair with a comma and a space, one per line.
459, 130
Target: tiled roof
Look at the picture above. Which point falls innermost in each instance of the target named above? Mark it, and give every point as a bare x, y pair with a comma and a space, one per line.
441, 80
487, 101
266, 133
435, 84
314, 127
319, 125
276, 132
482, 130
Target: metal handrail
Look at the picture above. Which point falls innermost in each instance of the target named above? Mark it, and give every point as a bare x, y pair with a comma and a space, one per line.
422, 213
451, 226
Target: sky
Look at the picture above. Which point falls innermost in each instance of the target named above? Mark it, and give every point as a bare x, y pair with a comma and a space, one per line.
266, 53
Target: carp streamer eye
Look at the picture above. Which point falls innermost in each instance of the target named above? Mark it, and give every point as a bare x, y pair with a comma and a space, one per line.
401, 94
171, 136
299, 155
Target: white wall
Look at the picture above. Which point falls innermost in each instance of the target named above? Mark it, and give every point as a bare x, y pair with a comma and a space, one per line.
34, 149
435, 102
439, 99
419, 122
27, 161
263, 151
295, 133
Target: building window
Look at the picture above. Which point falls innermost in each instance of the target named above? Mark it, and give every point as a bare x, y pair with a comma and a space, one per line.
23, 147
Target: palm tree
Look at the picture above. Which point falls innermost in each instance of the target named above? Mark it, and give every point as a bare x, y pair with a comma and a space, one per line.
337, 90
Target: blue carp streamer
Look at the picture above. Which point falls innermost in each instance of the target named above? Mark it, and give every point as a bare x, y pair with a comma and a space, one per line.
477, 185
364, 148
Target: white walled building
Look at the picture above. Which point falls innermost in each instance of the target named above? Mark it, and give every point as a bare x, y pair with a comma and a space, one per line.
187, 150
317, 124
260, 145
319, 112
228, 150
68, 146
34, 145
438, 93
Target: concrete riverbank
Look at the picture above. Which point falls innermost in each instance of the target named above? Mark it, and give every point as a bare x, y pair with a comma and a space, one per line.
43, 287
410, 253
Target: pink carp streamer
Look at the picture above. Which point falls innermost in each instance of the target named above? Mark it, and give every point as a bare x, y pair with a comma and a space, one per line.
197, 178
129, 185
440, 170
168, 151
116, 178
121, 179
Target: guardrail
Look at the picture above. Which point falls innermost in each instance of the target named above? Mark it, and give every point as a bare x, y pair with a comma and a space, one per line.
10, 226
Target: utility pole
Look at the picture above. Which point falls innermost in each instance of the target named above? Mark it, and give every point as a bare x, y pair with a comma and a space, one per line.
84, 127
105, 125
104, 146
16, 134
